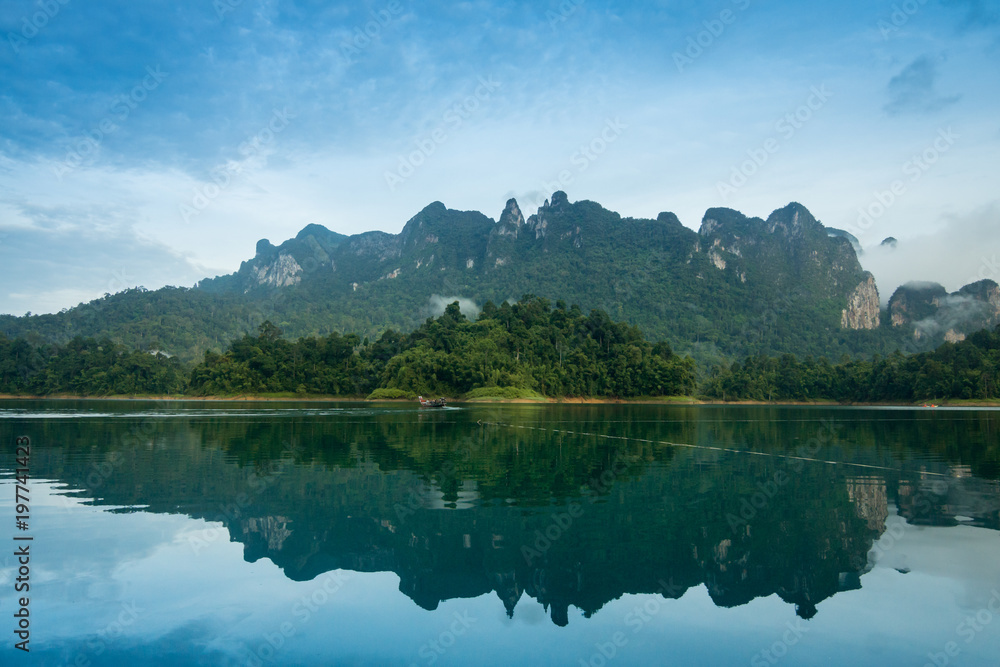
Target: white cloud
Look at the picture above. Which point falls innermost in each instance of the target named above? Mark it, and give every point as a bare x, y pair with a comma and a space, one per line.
964, 249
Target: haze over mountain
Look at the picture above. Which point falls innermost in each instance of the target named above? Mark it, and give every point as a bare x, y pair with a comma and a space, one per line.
737, 286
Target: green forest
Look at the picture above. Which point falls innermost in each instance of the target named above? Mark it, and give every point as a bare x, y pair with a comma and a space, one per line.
966, 370
526, 349
529, 349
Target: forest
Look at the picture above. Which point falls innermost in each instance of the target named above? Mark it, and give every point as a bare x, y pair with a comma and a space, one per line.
965, 370
528, 349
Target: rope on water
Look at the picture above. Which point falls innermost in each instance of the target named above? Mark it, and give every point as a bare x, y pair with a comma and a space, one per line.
729, 450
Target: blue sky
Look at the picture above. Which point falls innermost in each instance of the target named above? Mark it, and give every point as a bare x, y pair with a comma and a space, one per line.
154, 143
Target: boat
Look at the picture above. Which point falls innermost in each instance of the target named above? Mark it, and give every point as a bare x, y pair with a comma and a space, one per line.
431, 403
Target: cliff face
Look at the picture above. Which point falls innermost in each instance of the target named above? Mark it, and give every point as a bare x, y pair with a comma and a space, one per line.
282, 271
913, 302
862, 310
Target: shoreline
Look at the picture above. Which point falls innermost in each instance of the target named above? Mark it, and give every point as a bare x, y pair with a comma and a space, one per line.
666, 401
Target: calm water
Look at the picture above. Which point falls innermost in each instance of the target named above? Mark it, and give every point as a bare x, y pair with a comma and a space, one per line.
321, 534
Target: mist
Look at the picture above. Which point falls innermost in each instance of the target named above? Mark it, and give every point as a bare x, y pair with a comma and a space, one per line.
965, 249
437, 303
953, 312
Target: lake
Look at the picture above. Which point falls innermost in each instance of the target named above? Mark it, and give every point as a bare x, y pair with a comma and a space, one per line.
249, 533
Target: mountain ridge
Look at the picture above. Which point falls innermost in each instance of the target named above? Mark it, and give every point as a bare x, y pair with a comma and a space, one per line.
738, 285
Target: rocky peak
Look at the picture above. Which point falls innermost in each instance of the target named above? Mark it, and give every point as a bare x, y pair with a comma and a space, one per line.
841, 234
501, 247
318, 232
378, 245
559, 201
717, 220
793, 221
668, 218
265, 248
511, 218
415, 229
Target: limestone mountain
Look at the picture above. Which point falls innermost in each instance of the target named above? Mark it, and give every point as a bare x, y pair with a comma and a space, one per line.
738, 285
738, 282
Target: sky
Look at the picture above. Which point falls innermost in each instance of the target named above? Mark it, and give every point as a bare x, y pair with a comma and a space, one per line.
154, 143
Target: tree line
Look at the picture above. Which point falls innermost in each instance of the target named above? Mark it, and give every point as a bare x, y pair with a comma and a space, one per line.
88, 367
525, 349
969, 369
528, 348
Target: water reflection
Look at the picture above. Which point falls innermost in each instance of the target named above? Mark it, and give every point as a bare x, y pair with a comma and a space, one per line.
568, 506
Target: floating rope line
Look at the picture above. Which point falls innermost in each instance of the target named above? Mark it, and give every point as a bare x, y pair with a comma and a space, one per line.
711, 448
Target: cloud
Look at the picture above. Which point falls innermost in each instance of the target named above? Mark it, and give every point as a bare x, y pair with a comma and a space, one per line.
61, 268
953, 312
978, 13
913, 90
963, 250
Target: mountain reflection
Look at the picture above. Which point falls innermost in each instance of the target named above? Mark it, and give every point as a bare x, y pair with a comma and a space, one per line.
458, 508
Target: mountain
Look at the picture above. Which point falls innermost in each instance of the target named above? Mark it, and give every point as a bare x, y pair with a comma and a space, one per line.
737, 286
831, 231
930, 315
